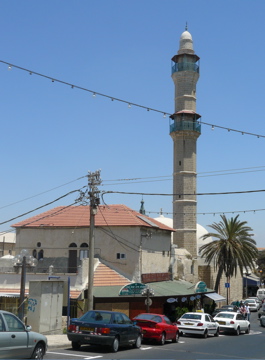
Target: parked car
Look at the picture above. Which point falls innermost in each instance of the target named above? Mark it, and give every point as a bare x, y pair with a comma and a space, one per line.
17, 339
105, 328
229, 308
258, 301
157, 327
224, 308
198, 323
232, 322
252, 304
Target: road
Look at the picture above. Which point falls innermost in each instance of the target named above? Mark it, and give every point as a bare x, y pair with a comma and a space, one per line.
227, 347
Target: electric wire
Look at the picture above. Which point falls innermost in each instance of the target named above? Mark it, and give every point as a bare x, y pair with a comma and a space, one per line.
112, 98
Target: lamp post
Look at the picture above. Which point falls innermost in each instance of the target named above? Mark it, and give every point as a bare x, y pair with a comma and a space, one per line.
148, 292
23, 260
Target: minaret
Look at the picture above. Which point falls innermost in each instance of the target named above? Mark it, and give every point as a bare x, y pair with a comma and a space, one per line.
185, 130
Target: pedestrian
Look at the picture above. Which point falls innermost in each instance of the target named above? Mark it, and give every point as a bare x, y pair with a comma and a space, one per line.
243, 310
247, 312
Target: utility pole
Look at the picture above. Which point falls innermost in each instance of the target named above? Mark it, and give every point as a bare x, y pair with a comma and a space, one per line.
93, 181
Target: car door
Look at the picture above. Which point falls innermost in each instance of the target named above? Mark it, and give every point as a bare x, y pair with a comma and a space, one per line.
242, 322
121, 328
211, 324
170, 330
13, 338
131, 329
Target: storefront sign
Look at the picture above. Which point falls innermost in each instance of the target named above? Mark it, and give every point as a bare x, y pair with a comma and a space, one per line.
132, 289
200, 287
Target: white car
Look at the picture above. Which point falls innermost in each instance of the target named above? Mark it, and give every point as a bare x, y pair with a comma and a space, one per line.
252, 304
232, 322
258, 301
198, 323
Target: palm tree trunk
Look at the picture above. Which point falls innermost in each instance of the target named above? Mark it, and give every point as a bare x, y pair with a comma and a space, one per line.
218, 278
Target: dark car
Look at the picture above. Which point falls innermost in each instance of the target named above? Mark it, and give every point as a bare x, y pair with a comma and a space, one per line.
105, 328
157, 327
17, 339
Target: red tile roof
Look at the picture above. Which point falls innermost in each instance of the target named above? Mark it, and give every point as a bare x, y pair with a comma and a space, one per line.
105, 276
79, 216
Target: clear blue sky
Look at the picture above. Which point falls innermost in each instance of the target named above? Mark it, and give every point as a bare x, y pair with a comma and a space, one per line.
52, 134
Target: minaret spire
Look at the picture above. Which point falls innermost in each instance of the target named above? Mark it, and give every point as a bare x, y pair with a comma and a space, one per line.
186, 27
185, 130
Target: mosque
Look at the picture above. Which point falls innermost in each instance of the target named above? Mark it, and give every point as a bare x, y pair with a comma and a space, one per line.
185, 129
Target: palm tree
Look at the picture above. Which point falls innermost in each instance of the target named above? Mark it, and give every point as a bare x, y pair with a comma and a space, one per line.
233, 248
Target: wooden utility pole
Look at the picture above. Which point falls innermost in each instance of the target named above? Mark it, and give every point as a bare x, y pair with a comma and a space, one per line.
93, 181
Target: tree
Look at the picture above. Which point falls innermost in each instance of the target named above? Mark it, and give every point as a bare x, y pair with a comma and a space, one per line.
233, 248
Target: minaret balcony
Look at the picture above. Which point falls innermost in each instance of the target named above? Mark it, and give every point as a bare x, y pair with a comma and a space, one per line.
185, 126
185, 66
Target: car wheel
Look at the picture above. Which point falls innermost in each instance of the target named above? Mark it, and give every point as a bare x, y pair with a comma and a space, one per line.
163, 339
238, 331
115, 345
217, 332
138, 342
205, 334
38, 352
248, 330
176, 338
76, 345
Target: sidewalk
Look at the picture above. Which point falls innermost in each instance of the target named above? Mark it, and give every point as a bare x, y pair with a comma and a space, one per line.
58, 341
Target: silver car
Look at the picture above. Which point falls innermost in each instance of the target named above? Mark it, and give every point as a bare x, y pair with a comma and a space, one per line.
17, 339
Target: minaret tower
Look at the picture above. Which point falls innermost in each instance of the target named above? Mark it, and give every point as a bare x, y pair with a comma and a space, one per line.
185, 130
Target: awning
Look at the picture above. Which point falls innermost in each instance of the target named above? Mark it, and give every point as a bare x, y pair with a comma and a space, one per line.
251, 280
216, 297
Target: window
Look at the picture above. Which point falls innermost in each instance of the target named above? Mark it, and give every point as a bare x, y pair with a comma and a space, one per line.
13, 323
34, 253
121, 256
40, 255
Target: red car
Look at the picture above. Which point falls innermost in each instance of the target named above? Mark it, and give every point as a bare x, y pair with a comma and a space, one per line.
157, 327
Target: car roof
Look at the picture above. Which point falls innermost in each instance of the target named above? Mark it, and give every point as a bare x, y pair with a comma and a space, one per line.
228, 312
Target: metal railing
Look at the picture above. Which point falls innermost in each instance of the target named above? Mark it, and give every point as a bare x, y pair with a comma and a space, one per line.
185, 66
185, 125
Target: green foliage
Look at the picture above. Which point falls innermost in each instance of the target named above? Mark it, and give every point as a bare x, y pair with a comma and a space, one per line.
179, 312
233, 248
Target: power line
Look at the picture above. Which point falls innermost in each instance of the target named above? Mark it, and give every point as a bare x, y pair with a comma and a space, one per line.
112, 98
194, 194
40, 207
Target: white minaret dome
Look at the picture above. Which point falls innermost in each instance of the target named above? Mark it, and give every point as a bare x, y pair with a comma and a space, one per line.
185, 43
200, 231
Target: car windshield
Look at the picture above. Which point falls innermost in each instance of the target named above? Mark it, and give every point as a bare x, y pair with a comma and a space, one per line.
96, 316
148, 317
250, 301
191, 316
225, 315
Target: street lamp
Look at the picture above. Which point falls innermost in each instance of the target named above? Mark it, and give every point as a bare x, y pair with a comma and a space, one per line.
23, 260
148, 292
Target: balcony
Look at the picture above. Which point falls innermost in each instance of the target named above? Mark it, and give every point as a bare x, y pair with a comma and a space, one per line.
185, 66
185, 126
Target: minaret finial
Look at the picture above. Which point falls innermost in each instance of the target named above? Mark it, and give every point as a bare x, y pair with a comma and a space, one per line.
186, 27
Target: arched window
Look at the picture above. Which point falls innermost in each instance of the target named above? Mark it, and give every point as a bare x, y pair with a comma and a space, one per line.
40, 254
73, 245
34, 253
83, 253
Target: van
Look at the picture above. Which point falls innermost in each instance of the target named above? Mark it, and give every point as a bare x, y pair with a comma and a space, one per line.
261, 294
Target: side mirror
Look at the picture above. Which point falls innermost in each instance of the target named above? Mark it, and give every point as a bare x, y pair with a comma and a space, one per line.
28, 328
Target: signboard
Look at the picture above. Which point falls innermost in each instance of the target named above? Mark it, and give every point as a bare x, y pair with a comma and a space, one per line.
132, 289
227, 285
200, 287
